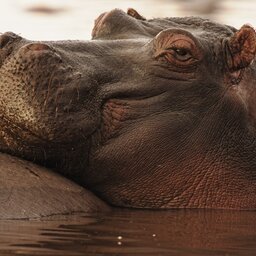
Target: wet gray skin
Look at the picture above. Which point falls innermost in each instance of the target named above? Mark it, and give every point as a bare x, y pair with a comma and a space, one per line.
149, 114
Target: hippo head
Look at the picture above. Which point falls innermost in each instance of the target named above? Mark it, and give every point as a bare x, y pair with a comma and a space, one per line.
150, 113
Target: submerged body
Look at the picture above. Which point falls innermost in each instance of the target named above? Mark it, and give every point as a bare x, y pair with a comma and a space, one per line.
149, 114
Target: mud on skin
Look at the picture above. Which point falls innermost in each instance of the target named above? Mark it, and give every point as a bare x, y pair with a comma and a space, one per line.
148, 114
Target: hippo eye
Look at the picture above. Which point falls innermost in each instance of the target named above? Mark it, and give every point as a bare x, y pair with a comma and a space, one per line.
181, 54
177, 48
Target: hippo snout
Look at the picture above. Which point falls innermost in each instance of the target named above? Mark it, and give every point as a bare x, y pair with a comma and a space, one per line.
37, 47
38, 55
26, 51
6, 44
7, 38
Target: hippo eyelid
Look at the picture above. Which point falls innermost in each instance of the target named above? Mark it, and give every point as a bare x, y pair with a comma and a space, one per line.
175, 32
169, 41
171, 49
169, 37
176, 49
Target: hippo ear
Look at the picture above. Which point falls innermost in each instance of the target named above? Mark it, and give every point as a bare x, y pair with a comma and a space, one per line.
241, 48
133, 13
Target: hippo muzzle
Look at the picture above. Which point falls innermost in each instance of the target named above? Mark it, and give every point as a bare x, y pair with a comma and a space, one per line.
45, 87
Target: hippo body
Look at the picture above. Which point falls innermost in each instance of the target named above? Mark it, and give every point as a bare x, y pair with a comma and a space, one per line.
29, 191
148, 114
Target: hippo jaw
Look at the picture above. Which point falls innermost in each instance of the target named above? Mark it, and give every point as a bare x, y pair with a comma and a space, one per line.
128, 127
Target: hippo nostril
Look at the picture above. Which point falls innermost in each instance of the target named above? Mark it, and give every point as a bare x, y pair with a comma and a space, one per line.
7, 41
3, 41
39, 51
6, 38
38, 47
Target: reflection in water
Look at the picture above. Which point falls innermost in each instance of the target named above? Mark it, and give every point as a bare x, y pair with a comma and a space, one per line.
124, 232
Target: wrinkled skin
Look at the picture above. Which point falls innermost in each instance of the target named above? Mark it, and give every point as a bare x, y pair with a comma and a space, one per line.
149, 114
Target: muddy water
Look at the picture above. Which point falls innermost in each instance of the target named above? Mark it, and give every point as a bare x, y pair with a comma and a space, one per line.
125, 232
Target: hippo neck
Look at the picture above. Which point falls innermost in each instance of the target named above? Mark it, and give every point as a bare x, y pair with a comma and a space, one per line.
206, 170
208, 179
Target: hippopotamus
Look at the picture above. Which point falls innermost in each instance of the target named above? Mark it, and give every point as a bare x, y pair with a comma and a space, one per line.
151, 113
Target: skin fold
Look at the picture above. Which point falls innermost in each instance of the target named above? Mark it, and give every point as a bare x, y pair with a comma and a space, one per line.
148, 114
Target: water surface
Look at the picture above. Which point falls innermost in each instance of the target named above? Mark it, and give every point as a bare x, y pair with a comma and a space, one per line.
126, 232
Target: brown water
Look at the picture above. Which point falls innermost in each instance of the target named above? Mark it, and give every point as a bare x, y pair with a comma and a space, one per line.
125, 232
